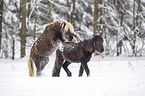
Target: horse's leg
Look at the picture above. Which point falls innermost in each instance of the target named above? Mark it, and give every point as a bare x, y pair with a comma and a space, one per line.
38, 67
42, 63
81, 71
85, 66
57, 67
65, 65
38, 71
58, 63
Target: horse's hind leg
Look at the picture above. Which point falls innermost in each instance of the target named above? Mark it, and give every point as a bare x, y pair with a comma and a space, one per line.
38, 71
65, 65
85, 66
43, 62
81, 71
58, 63
38, 67
40, 64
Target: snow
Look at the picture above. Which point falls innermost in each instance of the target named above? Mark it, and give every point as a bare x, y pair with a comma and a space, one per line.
109, 76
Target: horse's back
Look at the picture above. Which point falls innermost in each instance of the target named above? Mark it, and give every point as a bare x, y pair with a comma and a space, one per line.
73, 51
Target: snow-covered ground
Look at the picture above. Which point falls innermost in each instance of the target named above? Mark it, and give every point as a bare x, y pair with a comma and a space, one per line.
109, 76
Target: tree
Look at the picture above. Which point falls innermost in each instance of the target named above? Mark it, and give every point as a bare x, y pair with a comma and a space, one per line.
1, 18
136, 23
121, 12
23, 29
29, 7
136, 26
101, 25
73, 14
49, 13
71, 11
68, 14
35, 22
96, 2
120, 22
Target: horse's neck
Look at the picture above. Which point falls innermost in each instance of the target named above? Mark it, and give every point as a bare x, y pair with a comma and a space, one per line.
88, 45
88, 41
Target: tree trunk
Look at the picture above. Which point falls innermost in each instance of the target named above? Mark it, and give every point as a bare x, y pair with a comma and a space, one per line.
73, 14
68, 14
28, 16
119, 42
49, 14
1, 18
13, 48
23, 29
34, 34
29, 8
135, 24
96, 2
35, 23
20, 11
101, 28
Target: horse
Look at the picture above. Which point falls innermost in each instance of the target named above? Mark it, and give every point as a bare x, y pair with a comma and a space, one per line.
56, 32
80, 52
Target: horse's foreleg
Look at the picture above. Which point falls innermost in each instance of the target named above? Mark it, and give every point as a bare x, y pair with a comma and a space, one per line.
58, 63
65, 65
85, 66
56, 69
81, 71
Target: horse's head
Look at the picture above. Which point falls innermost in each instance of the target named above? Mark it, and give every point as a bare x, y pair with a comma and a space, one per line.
65, 30
98, 43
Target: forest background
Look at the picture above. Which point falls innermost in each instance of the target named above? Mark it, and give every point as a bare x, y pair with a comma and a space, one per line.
120, 22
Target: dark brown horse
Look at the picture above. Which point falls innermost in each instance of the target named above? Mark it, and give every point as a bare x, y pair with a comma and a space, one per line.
77, 52
54, 33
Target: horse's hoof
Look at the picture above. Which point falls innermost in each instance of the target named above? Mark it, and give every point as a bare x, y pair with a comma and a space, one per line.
38, 73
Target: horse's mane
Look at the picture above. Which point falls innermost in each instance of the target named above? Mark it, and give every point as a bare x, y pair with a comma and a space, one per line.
67, 27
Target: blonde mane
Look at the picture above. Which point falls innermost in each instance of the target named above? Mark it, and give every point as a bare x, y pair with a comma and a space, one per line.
67, 27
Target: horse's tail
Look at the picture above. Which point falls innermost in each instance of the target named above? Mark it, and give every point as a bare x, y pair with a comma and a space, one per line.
30, 66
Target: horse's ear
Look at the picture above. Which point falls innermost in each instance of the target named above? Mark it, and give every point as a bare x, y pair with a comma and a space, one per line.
63, 25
